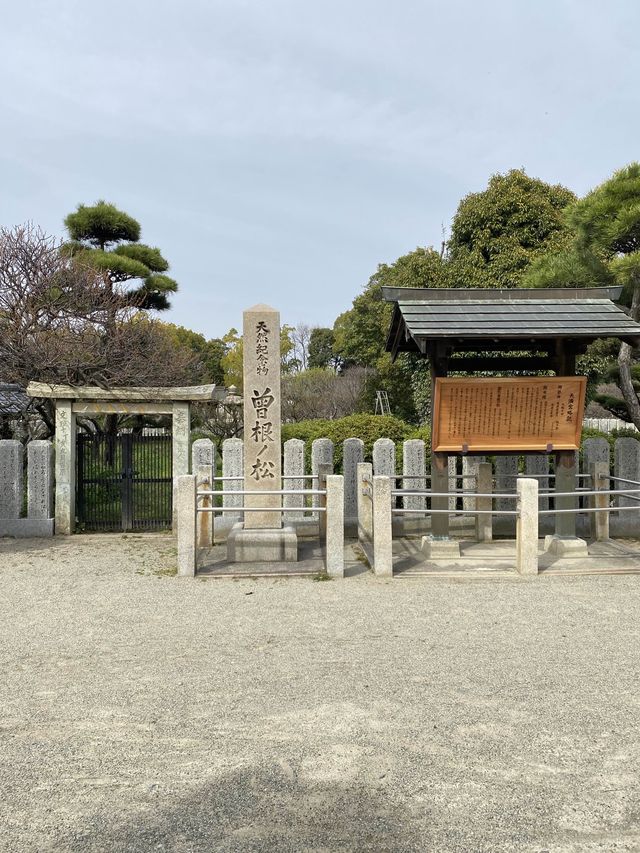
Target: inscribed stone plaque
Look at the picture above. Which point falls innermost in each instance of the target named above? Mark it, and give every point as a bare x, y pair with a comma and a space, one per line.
261, 373
515, 413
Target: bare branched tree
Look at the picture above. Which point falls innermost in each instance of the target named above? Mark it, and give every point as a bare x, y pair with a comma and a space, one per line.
300, 337
58, 324
320, 393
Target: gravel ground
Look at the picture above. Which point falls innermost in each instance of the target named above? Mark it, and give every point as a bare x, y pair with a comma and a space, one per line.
143, 712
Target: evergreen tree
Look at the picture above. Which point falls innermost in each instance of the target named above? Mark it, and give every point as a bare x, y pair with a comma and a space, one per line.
108, 239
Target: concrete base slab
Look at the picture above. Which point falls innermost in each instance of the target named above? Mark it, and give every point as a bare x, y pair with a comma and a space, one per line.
443, 549
565, 546
26, 528
262, 545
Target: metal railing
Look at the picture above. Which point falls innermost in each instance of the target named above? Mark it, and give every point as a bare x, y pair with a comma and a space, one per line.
195, 513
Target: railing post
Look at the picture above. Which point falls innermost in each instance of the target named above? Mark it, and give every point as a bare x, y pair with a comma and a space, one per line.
484, 480
600, 482
365, 504
527, 526
325, 469
382, 535
334, 526
186, 523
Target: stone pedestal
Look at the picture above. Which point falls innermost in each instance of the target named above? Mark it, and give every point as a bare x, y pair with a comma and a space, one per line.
440, 549
565, 546
262, 545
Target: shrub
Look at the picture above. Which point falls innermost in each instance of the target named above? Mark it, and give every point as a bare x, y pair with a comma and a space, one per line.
365, 426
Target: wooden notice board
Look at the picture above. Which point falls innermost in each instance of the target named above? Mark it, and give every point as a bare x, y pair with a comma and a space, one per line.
528, 413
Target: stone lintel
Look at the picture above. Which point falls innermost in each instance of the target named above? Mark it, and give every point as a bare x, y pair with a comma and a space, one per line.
105, 407
194, 393
440, 549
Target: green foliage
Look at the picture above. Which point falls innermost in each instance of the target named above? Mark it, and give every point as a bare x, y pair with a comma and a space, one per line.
367, 427
94, 231
233, 357
101, 224
322, 351
605, 238
208, 353
497, 233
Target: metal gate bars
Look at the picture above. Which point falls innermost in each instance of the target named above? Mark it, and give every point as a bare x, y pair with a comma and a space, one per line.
123, 482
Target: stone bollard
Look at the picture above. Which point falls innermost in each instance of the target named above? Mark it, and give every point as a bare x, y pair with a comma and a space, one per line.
527, 526
353, 453
232, 466
11, 479
627, 466
334, 539
506, 476
484, 522
321, 454
203, 465
384, 457
293, 474
40, 480
539, 464
599, 472
382, 534
186, 524
365, 502
470, 465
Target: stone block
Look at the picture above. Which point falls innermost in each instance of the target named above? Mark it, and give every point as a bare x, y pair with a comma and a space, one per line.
261, 545
440, 549
566, 546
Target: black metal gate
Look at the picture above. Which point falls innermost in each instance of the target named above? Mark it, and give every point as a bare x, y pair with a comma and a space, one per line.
124, 482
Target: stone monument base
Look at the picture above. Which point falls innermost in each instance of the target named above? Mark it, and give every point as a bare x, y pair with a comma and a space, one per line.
262, 545
440, 549
565, 546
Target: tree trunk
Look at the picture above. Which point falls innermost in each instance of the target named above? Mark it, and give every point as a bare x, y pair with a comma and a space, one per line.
624, 362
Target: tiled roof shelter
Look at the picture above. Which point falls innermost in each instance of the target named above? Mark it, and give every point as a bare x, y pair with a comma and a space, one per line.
13, 400
440, 322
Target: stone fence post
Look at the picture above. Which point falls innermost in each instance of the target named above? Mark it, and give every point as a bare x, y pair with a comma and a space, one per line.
527, 526
334, 526
186, 513
40, 480
365, 503
382, 532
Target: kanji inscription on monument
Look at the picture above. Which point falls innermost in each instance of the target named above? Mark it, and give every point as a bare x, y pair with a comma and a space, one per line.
261, 374
528, 413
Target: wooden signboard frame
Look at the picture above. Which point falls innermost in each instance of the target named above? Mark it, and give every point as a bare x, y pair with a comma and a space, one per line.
535, 414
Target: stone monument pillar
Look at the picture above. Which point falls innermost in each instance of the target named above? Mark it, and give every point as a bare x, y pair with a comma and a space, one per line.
262, 538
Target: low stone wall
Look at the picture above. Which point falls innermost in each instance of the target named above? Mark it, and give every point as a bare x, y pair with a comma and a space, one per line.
39, 481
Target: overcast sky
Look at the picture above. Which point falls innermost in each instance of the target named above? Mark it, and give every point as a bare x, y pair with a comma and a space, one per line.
277, 151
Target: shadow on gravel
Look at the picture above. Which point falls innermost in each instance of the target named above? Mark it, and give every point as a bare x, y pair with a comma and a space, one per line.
261, 810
